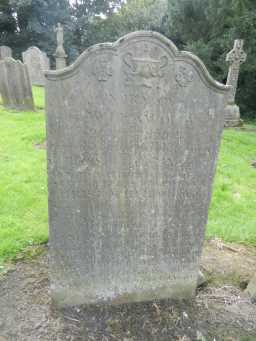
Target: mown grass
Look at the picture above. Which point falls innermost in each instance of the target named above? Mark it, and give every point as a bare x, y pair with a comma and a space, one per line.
39, 97
232, 214
23, 187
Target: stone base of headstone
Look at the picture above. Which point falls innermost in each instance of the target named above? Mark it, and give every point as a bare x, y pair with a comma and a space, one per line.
232, 116
67, 295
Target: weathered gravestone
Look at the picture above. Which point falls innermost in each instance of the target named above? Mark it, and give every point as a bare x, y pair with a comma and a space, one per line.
133, 134
37, 62
5, 52
15, 86
235, 58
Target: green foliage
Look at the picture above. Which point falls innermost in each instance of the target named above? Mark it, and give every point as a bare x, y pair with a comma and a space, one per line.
208, 28
134, 15
138, 15
7, 21
36, 20
87, 15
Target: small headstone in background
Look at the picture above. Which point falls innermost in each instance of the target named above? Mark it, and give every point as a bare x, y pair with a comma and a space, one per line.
235, 58
37, 62
60, 54
5, 52
15, 85
133, 132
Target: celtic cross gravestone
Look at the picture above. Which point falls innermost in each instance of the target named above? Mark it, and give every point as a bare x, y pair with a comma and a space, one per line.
133, 134
235, 58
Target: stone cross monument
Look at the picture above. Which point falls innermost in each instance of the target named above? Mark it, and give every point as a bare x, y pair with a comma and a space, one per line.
235, 58
60, 54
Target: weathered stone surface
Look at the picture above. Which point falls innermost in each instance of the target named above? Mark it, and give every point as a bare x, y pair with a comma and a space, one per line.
15, 86
133, 134
251, 289
37, 62
235, 58
201, 280
5, 52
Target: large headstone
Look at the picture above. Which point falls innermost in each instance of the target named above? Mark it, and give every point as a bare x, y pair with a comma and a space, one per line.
37, 62
235, 58
133, 135
5, 52
15, 86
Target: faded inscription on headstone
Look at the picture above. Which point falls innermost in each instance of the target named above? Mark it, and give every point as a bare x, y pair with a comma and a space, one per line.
5, 52
37, 62
15, 86
133, 134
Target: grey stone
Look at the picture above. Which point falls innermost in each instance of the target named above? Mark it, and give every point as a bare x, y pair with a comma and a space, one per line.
15, 86
235, 58
133, 134
5, 52
251, 288
60, 54
201, 280
2, 338
37, 62
200, 336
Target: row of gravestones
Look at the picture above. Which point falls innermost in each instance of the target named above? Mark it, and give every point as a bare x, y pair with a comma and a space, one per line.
37, 62
16, 78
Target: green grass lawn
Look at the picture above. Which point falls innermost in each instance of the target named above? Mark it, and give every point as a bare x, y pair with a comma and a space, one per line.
23, 189
232, 214
23, 186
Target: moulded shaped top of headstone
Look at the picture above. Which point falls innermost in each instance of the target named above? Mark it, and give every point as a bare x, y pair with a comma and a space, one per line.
133, 133
37, 62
